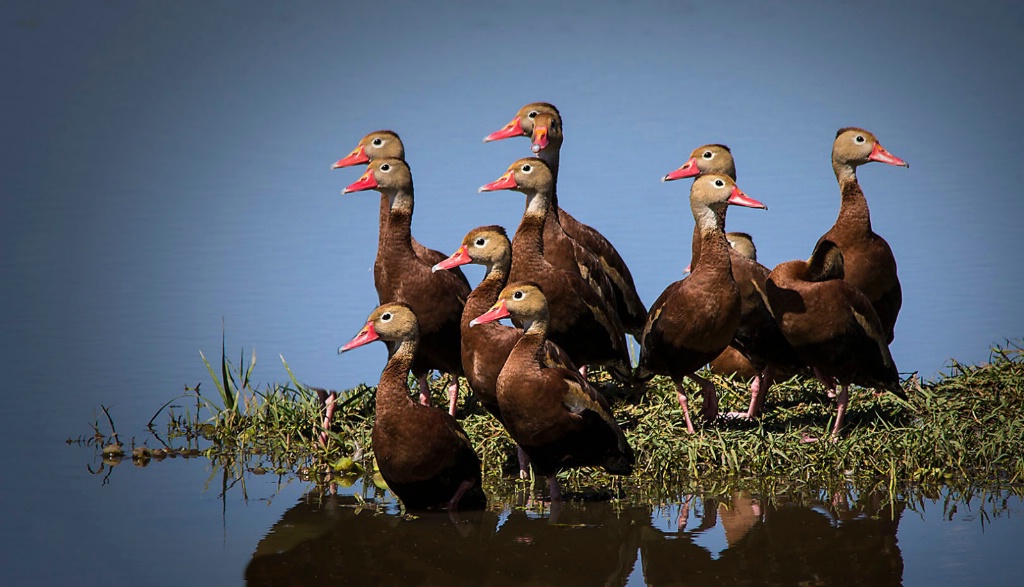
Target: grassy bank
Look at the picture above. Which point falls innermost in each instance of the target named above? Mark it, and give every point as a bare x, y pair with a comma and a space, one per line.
965, 428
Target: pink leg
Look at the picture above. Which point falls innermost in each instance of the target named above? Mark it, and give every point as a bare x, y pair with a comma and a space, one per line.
684, 404
332, 398
465, 486
828, 382
424, 390
767, 379
709, 410
453, 395
844, 400
524, 463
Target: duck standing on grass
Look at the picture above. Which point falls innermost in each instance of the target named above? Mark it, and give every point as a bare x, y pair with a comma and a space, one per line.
696, 318
553, 413
423, 453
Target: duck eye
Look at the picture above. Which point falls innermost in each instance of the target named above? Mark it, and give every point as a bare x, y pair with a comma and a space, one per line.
532, 114
860, 139
385, 168
385, 317
480, 242
377, 142
719, 183
708, 155
527, 168
518, 295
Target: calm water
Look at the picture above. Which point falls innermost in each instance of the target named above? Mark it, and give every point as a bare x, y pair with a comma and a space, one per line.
164, 180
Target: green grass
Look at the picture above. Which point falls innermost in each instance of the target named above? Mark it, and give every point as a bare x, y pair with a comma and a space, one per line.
964, 429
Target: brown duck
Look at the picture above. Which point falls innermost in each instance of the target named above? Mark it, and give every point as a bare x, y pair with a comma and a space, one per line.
402, 276
832, 325
582, 322
552, 413
868, 261
423, 453
695, 318
543, 123
758, 340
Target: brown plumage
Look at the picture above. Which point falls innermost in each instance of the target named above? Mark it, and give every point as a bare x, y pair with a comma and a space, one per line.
869, 262
582, 322
695, 318
758, 338
552, 413
401, 276
831, 324
386, 144
543, 123
423, 453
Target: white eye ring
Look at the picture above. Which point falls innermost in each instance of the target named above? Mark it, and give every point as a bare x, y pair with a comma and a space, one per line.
385, 168
532, 114
378, 142
527, 168
518, 295
859, 139
719, 183
385, 317
480, 242
708, 155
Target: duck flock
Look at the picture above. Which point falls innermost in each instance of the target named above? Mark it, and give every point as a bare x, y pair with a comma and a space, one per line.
572, 300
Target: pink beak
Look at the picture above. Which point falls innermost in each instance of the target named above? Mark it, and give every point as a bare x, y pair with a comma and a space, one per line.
354, 158
497, 312
689, 169
878, 153
459, 257
512, 129
366, 182
366, 335
738, 198
505, 182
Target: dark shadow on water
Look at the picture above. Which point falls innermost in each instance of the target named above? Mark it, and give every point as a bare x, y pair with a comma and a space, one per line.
337, 539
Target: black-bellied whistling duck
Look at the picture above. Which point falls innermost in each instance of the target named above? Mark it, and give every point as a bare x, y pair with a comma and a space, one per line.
422, 452
401, 276
867, 258
543, 123
486, 347
758, 337
582, 322
731, 362
832, 325
552, 413
695, 318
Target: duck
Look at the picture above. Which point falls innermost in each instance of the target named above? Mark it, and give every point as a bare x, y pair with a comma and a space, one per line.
695, 319
868, 261
423, 453
486, 347
582, 322
543, 123
553, 413
758, 346
832, 326
401, 276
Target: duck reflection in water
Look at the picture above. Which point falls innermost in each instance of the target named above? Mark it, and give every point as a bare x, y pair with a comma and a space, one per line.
841, 541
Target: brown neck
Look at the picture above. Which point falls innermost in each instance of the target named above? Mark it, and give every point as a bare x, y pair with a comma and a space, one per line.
398, 235
484, 295
710, 247
393, 391
550, 156
853, 210
528, 242
530, 348
382, 225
